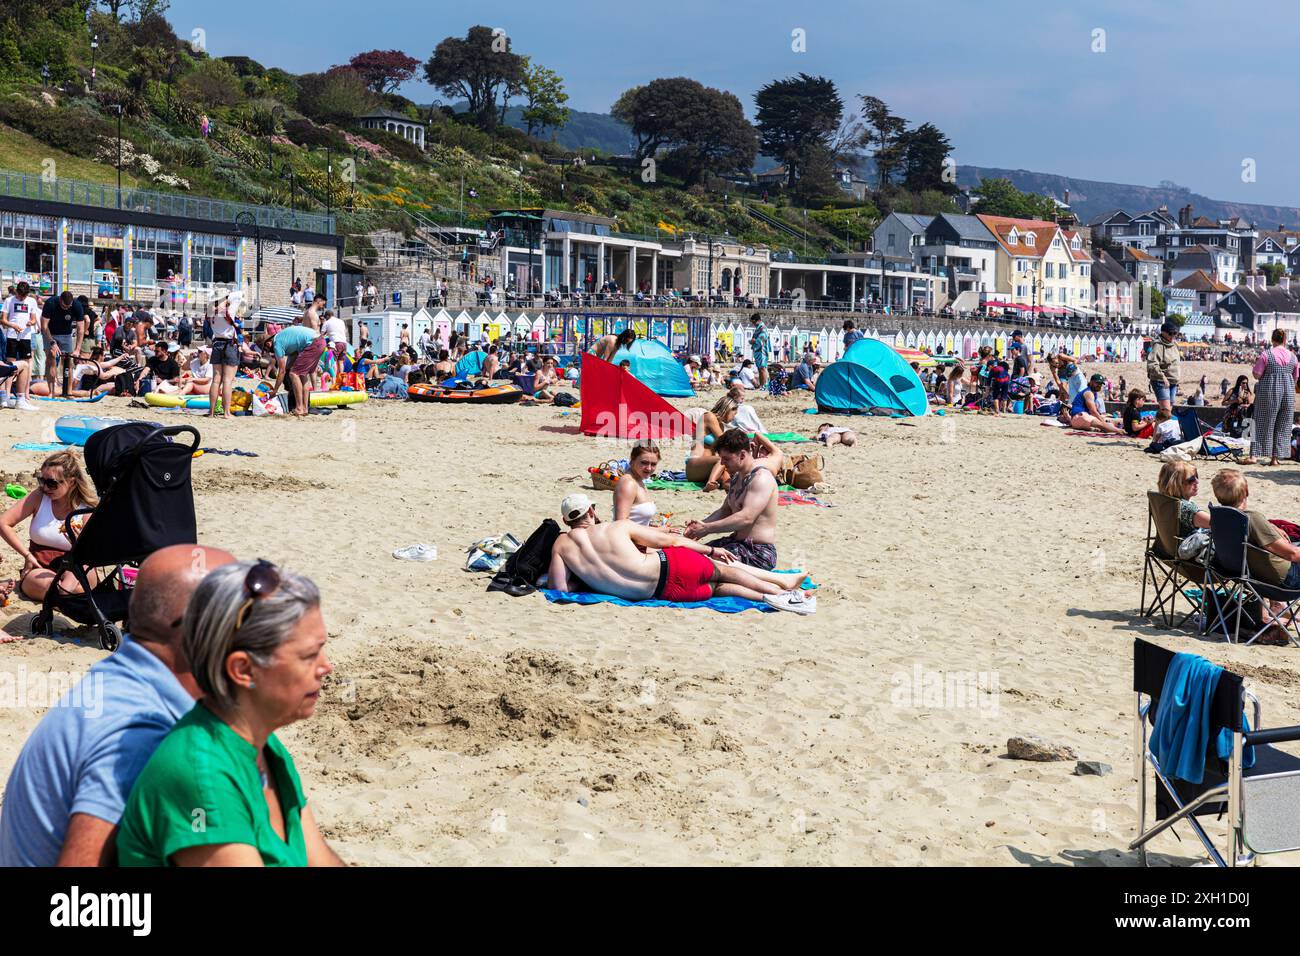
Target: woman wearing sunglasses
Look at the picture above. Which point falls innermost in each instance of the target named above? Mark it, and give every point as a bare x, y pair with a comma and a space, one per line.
221, 789
62, 487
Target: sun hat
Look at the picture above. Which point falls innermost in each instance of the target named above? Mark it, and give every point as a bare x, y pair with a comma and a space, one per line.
574, 507
173, 347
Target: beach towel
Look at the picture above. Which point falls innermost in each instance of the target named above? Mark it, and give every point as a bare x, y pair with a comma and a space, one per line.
786, 436
1181, 734
724, 605
657, 482
40, 446
91, 399
800, 498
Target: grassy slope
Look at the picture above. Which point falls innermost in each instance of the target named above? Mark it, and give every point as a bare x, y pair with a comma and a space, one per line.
23, 154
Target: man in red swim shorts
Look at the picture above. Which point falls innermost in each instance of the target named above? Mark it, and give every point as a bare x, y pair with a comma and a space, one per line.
638, 563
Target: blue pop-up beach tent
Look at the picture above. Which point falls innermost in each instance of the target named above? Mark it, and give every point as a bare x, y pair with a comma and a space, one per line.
654, 366
871, 375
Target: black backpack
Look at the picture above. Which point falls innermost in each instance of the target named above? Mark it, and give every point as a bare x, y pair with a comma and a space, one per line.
519, 575
565, 399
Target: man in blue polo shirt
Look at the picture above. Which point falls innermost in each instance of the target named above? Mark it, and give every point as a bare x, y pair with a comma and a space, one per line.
67, 789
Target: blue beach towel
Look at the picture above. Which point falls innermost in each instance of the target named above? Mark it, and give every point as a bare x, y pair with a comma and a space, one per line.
40, 446
727, 605
1181, 733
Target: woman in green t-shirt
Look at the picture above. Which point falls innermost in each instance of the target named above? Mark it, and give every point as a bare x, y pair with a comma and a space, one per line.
221, 790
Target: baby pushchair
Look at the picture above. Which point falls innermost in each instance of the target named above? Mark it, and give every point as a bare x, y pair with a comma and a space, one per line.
146, 502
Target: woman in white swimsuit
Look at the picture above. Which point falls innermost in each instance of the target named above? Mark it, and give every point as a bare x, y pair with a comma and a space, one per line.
631, 498
63, 488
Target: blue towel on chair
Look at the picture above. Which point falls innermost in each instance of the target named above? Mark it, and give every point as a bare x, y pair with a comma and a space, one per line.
1181, 734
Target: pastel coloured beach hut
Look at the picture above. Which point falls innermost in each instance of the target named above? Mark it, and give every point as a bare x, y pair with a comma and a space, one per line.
462, 322
523, 326
1077, 348
900, 338
501, 326
442, 325
478, 327
947, 343
539, 329
421, 322
1000, 345
967, 346
1038, 345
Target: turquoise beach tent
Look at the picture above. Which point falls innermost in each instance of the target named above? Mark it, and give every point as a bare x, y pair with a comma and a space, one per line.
471, 364
871, 375
653, 365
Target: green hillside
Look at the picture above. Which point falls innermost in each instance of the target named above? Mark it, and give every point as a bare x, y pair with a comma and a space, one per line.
270, 131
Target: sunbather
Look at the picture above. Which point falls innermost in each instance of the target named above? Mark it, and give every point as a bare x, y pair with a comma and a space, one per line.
830, 435
631, 498
1088, 411
607, 346
748, 515
702, 464
607, 559
63, 487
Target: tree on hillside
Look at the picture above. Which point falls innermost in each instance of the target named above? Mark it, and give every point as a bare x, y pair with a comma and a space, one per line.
712, 136
924, 151
144, 9
817, 177
213, 82
998, 197
115, 7
384, 70
885, 134
479, 68
794, 115
543, 90
703, 129
338, 96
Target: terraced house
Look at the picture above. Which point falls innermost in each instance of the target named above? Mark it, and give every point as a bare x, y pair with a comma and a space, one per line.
1040, 265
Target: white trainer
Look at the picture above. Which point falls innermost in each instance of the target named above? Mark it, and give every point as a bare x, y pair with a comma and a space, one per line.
417, 552
25, 406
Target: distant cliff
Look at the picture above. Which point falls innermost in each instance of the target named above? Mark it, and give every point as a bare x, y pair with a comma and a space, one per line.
1089, 198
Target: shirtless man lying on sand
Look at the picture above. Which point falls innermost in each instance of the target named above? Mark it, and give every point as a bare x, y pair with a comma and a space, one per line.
606, 558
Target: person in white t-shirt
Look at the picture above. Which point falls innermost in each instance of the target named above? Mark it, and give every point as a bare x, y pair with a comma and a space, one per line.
334, 329
748, 374
19, 316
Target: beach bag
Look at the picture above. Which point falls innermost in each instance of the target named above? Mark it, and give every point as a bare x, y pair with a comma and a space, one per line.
522, 570
803, 471
1193, 547
565, 400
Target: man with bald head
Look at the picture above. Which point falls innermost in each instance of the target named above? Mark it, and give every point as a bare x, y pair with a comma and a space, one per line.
71, 780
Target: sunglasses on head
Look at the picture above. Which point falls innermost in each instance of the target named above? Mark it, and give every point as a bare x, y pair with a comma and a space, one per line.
262, 580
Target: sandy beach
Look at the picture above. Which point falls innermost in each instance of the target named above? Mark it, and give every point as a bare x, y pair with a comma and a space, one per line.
992, 557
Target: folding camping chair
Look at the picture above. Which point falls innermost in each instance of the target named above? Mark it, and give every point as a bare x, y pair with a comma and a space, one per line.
1169, 576
1231, 585
1262, 802
1213, 446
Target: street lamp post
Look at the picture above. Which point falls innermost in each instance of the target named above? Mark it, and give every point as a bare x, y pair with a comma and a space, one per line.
119, 155
247, 220
94, 50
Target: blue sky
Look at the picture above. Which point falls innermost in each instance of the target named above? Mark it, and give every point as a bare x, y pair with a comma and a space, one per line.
1183, 91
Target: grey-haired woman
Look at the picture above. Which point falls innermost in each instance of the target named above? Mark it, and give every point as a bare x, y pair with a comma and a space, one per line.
221, 790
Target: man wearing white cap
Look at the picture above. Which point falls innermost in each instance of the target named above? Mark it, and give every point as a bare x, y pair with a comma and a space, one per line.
608, 559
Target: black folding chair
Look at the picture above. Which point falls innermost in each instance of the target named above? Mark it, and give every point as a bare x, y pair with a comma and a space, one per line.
1234, 589
1262, 802
1169, 576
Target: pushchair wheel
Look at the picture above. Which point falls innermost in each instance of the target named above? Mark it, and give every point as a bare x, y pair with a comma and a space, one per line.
43, 624
110, 635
